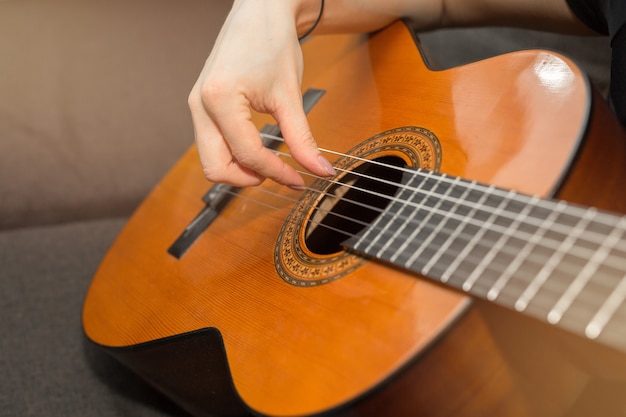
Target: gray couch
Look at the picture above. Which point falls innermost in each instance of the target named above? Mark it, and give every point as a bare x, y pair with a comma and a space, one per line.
92, 113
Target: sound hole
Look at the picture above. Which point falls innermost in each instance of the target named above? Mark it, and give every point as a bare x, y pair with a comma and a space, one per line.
348, 207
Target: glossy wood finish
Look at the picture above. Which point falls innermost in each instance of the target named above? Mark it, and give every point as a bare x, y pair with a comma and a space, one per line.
514, 121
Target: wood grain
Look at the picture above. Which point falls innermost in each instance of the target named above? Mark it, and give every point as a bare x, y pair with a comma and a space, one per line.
514, 121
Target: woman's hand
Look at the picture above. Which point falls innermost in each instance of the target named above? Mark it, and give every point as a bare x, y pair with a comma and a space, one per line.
256, 63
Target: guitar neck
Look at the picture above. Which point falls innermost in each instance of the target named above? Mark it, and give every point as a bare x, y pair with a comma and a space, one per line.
560, 263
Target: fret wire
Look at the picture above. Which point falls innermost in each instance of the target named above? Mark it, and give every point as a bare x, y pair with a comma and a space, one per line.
495, 267
581, 253
529, 257
555, 227
512, 267
395, 199
418, 229
597, 289
471, 279
543, 203
431, 236
454, 265
573, 209
552, 290
575, 251
461, 226
612, 262
537, 239
565, 268
591, 236
583, 277
539, 279
406, 222
608, 309
455, 234
534, 239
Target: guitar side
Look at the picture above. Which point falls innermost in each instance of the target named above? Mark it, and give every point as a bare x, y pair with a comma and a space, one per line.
278, 349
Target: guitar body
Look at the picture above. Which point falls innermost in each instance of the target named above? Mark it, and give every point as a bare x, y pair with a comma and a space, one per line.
233, 327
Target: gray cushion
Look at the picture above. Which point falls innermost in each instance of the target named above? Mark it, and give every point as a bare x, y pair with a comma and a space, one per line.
47, 367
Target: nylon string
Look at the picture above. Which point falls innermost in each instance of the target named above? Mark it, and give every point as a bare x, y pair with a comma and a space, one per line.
547, 243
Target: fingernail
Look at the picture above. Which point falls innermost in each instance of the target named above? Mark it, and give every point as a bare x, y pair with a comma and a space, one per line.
297, 187
326, 165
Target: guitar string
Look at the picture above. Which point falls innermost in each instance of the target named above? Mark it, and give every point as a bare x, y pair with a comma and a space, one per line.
534, 258
607, 281
575, 210
589, 237
517, 285
566, 230
412, 171
567, 301
579, 212
504, 213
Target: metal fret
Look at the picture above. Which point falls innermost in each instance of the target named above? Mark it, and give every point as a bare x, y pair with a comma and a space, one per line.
449, 240
429, 213
582, 277
398, 201
486, 260
608, 309
513, 266
445, 276
524, 252
549, 267
409, 262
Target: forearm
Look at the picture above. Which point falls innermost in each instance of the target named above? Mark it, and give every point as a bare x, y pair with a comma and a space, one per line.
341, 16
370, 15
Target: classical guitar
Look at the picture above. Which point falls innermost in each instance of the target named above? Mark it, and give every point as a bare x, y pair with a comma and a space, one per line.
454, 266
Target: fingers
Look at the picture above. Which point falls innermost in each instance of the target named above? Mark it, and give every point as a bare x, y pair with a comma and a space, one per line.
260, 72
231, 151
229, 143
217, 161
298, 137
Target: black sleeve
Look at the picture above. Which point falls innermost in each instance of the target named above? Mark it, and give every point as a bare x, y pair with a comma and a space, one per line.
617, 94
591, 13
604, 16
609, 17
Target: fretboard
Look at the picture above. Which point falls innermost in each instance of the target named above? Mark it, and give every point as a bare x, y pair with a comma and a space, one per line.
561, 263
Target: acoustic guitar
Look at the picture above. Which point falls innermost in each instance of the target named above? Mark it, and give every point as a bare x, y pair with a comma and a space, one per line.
468, 259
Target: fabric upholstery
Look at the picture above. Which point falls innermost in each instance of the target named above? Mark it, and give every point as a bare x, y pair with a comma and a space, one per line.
48, 368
